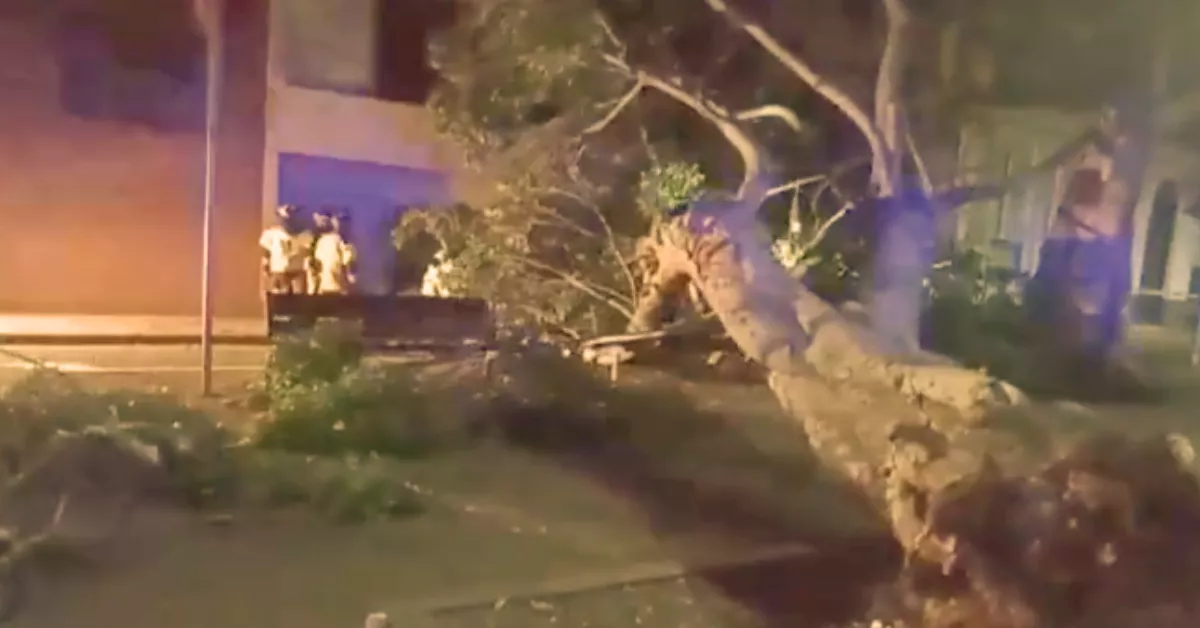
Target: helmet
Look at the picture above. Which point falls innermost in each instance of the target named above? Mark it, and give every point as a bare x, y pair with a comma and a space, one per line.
285, 211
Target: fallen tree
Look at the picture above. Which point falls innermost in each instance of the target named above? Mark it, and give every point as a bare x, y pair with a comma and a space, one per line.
1008, 518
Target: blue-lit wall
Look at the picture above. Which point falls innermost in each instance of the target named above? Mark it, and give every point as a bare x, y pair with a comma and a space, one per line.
373, 195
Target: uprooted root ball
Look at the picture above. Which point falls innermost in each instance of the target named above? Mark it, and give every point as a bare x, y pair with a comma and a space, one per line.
1107, 536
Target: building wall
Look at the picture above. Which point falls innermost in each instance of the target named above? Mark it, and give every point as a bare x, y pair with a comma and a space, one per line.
1184, 251
102, 215
331, 140
321, 97
1027, 137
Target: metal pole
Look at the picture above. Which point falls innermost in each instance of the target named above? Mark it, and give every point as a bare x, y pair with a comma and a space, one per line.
210, 18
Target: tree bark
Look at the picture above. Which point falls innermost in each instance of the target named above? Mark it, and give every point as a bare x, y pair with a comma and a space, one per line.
1001, 530
1083, 280
972, 488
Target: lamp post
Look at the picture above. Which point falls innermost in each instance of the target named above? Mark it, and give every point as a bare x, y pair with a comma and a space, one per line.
209, 13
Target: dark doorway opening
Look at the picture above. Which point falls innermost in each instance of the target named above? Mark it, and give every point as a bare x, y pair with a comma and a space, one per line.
1160, 231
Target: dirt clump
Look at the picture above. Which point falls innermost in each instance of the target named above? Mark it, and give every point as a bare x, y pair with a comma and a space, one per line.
1103, 537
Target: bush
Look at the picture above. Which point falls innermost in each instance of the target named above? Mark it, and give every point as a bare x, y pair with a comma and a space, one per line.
324, 400
366, 410
346, 490
324, 354
980, 316
47, 407
974, 314
205, 464
544, 400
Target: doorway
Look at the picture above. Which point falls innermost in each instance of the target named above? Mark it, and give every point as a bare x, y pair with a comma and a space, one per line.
370, 194
1160, 232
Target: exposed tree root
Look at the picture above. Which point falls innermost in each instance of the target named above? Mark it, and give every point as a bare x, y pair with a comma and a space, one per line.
1002, 528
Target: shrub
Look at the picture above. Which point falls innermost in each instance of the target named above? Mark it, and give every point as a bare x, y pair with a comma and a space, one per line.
205, 464
48, 406
544, 400
324, 400
366, 410
324, 354
347, 490
979, 315
974, 314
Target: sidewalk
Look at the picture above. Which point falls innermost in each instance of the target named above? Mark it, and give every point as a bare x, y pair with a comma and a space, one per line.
93, 329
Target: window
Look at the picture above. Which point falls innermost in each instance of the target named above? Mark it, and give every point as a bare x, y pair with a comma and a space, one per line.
326, 44
402, 71
374, 48
133, 61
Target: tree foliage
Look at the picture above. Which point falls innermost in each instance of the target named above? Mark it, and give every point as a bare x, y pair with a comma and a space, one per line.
572, 110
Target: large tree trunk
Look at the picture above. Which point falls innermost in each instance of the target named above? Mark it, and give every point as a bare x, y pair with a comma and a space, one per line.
999, 531
1083, 279
903, 259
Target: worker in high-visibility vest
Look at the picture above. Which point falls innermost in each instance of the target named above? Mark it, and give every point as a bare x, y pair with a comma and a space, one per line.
286, 251
335, 257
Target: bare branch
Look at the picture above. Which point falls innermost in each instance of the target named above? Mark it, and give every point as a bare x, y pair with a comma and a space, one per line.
919, 162
611, 34
795, 184
604, 294
651, 152
825, 227
957, 197
22, 547
621, 104
544, 318
802, 70
713, 113
889, 114
609, 234
554, 218
779, 112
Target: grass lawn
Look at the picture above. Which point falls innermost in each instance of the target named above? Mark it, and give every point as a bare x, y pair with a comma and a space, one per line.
505, 520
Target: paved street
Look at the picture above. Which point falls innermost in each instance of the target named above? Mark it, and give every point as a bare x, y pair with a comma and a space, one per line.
56, 325
137, 366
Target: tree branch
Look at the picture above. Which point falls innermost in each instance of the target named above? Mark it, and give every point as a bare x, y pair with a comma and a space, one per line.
555, 219
887, 165
823, 229
796, 184
957, 197
802, 70
544, 318
609, 234
22, 547
621, 104
779, 112
603, 294
734, 134
919, 163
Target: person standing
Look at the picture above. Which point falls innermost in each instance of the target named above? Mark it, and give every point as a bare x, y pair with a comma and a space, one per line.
322, 224
335, 257
286, 248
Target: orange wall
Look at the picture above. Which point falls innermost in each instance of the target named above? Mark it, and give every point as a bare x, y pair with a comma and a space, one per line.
102, 217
